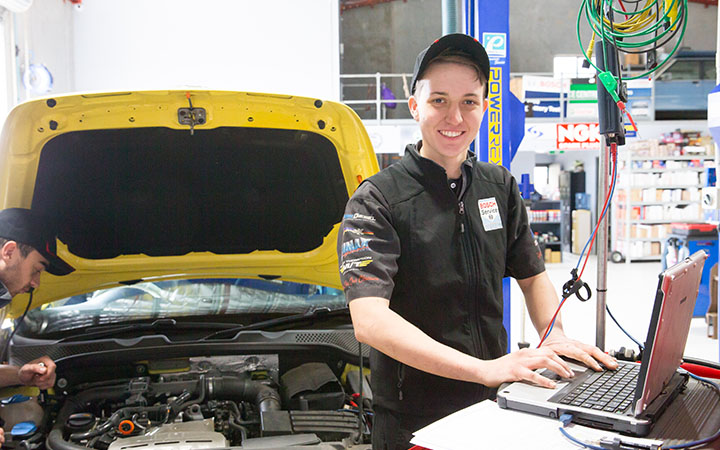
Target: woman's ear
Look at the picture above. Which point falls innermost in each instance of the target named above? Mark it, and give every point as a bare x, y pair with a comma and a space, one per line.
413, 106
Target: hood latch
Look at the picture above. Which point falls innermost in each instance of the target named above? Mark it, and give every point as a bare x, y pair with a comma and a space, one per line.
191, 116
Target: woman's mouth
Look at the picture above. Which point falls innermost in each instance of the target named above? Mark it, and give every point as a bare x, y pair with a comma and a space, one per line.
451, 134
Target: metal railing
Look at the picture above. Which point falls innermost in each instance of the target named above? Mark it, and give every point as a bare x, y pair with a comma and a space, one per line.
364, 93
373, 86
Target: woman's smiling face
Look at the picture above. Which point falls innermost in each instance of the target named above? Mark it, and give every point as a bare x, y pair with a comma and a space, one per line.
449, 105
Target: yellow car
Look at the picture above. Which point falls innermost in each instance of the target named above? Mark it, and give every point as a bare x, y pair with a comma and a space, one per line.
206, 309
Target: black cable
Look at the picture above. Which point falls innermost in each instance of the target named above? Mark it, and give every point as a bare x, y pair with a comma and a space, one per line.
617, 53
17, 325
361, 412
701, 362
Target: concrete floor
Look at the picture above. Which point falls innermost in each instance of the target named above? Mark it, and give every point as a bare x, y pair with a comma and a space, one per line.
631, 294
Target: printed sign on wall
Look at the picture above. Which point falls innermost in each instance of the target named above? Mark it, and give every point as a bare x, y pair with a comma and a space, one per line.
578, 136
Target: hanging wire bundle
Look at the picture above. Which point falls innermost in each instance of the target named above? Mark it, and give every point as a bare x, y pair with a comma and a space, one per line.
648, 25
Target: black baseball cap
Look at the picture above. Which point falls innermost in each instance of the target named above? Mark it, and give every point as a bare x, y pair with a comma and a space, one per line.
28, 227
455, 41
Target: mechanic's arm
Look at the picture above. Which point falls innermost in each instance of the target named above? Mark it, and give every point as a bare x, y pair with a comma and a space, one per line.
378, 326
39, 372
542, 302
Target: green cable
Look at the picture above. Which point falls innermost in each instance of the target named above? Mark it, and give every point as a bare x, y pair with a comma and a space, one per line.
596, 22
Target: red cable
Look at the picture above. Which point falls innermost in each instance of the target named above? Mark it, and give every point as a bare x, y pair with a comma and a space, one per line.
701, 371
547, 330
631, 119
624, 10
624, 110
613, 153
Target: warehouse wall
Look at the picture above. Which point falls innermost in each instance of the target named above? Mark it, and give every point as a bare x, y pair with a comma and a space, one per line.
284, 46
388, 36
540, 30
44, 36
384, 38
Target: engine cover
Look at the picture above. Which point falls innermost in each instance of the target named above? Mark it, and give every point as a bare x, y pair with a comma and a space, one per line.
199, 434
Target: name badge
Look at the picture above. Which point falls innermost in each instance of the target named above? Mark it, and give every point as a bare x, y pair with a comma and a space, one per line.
490, 214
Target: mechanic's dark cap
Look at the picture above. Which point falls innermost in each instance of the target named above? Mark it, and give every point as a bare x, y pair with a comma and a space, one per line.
25, 226
464, 44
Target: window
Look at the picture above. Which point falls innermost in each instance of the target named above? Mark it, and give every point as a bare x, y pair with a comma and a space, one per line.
682, 71
708, 72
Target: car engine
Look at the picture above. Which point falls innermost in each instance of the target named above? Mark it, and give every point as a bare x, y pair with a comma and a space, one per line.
207, 403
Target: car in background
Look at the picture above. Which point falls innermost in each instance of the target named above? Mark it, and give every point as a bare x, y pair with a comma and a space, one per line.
681, 89
206, 309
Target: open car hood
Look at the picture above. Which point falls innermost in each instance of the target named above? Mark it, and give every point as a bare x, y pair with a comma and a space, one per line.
177, 184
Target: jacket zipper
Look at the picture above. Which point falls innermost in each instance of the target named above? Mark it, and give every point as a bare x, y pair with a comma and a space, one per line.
470, 267
401, 377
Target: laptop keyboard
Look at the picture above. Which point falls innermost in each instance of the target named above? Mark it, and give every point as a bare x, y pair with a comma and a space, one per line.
610, 391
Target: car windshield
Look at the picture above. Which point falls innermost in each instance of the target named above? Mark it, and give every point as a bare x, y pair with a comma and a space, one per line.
181, 298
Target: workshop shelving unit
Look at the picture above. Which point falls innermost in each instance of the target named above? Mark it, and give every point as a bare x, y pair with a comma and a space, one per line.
546, 221
656, 186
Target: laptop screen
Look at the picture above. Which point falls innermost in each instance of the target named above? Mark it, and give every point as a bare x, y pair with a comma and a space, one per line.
669, 328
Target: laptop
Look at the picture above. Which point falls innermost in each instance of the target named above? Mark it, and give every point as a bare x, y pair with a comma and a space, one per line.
631, 398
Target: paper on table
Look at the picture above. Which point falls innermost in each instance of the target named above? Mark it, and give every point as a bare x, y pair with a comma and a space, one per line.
486, 425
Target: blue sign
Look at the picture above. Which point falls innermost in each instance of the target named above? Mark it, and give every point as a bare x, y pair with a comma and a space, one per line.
496, 46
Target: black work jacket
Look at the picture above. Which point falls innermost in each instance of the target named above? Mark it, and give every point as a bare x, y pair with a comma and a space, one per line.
453, 255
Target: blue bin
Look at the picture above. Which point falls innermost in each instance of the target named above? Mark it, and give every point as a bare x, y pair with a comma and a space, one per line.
687, 245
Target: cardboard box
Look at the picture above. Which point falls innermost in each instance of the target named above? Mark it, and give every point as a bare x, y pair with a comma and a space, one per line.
712, 325
556, 257
581, 229
516, 87
636, 195
655, 231
548, 255
654, 248
633, 59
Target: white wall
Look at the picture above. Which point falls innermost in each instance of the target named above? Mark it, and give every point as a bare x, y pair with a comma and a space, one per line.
279, 46
43, 36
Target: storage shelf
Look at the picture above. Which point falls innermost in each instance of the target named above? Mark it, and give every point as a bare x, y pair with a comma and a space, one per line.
622, 223
685, 203
659, 222
646, 258
645, 239
672, 158
656, 186
551, 208
680, 169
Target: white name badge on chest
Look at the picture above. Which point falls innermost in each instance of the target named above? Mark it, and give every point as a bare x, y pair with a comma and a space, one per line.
490, 214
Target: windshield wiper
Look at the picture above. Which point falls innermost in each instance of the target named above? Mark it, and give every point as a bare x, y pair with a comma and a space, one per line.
160, 324
321, 313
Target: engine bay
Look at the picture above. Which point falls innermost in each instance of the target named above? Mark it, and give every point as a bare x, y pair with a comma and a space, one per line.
209, 402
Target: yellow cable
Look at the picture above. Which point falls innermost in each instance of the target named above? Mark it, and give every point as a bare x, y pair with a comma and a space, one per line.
591, 46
